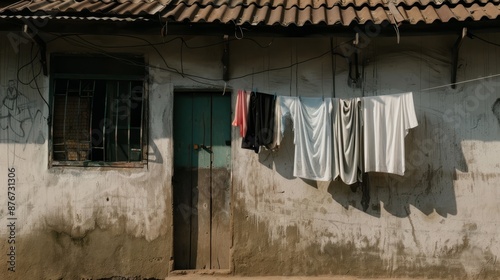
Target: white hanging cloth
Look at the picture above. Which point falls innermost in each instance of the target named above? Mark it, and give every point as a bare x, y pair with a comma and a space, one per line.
312, 128
386, 121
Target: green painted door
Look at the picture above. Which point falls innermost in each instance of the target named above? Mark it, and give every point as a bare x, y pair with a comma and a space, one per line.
201, 183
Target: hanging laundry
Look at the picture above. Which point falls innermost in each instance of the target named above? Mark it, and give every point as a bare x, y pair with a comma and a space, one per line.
260, 121
386, 121
248, 142
277, 126
347, 145
265, 118
312, 128
240, 113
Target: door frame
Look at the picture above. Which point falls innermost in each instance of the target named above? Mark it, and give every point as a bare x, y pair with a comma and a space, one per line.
171, 268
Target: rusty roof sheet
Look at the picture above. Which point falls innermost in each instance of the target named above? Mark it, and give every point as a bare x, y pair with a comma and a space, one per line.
268, 12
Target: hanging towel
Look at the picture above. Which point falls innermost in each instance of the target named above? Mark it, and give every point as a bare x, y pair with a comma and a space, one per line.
240, 113
277, 126
312, 128
348, 149
264, 119
249, 141
386, 121
260, 121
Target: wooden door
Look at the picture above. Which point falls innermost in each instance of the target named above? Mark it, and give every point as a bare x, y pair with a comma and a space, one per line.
201, 184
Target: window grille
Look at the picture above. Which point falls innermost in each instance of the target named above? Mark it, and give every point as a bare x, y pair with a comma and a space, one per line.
98, 121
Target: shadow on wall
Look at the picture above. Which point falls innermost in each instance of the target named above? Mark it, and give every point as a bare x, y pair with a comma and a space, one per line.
433, 157
431, 169
425, 185
496, 110
21, 121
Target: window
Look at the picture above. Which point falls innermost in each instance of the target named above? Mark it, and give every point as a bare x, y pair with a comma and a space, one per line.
99, 116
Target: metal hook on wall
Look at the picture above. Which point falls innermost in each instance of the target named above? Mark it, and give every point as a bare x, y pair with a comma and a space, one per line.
225, 59
353, 79
455, 49
236, 29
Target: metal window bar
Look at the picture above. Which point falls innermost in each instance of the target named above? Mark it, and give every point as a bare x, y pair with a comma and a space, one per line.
84, 146
116, 119
79, 122
104, 132
94, 145
135, 99
142, 122
90, 95
129, 118
90, 155
81, 141
64, 120
60, 145
141, 139
57, 142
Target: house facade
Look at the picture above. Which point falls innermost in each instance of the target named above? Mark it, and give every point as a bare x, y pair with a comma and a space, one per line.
119, 158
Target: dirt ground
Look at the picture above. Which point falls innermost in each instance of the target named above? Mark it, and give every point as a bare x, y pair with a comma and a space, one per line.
230, 277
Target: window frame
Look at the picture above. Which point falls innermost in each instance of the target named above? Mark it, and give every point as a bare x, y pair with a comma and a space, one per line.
107, 78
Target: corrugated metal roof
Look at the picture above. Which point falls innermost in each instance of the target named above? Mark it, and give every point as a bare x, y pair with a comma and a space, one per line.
269, 12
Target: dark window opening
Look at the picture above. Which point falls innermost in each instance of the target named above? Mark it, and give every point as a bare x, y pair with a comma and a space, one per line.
98, 121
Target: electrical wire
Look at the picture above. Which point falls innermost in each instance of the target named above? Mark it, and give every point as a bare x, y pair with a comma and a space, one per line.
183, 43
470, 80
168, 69
288, 66
463, 82
484, 40
156, 50
99, 48
18, 76
81, 37
36, 76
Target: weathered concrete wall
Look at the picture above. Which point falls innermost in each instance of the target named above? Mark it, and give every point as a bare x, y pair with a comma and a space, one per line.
75, 223
439, 220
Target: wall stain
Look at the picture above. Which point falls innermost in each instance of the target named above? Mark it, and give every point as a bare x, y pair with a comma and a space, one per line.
101, 254
128, 278
19, 117
496, 109
344, 257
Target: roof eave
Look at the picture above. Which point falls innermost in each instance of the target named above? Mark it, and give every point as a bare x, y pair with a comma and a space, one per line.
140, 25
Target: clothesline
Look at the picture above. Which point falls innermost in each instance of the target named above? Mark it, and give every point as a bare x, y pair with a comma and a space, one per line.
462, 82
332, 137
450, 84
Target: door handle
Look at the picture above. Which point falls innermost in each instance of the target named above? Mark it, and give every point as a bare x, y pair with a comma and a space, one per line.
197, 147
207, 148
